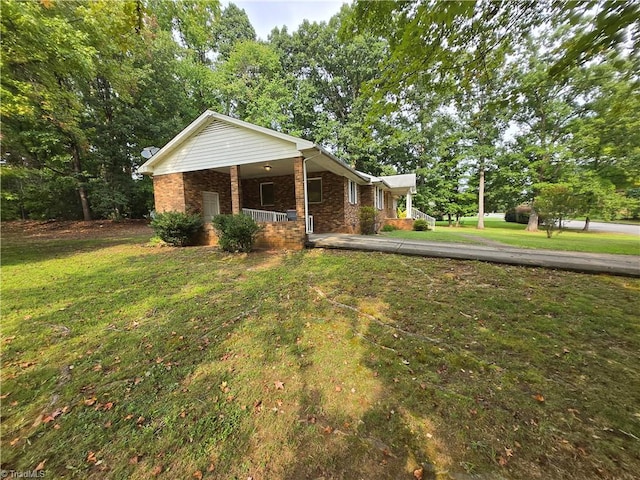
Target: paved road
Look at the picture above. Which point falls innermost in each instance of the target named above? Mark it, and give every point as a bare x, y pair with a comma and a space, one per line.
627, 265
605, 227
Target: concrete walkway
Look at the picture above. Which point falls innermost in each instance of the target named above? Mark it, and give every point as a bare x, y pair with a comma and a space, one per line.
627, 265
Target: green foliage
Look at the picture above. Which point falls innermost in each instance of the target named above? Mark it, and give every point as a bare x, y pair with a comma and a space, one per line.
555, 203
519, 214
368, 220
420, 225
389, 228
177, 228
236, 233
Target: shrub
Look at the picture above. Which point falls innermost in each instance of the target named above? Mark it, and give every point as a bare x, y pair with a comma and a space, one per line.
236, 233
420, 225
177, 228
368, 220
519, 214
389, 228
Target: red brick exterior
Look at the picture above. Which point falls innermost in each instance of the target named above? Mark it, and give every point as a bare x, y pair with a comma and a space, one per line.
400, 223
236, 190
183, 192
328, 215
284, 193
206, 181
168, 193
388, 210
276, 235
367, 193
298, 187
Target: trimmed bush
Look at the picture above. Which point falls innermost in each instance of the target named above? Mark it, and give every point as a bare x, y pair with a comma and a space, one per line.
520, 214
389, 228
236, 233
420, 225
177, 228
368, 220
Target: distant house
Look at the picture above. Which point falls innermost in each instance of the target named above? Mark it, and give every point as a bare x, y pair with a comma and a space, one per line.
293, 187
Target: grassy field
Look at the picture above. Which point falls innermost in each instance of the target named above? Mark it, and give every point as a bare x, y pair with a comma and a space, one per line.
497, 230
125, 361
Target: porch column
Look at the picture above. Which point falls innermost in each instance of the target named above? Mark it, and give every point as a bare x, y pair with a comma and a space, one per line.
409, 205
236, 190
298, 179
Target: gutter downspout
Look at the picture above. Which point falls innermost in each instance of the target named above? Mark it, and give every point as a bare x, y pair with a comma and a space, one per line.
306, 196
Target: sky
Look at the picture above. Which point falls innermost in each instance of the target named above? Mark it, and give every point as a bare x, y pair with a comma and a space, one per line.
267, 14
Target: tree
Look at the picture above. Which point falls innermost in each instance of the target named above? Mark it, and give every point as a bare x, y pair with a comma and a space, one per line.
251, 85
232, 27
555, 203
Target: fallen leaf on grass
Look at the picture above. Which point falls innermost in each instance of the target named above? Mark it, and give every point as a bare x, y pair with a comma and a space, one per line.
91, 457
538, 398
418, 473
90, 401
156, 471
508, 452
134, 460
2, 397
197, 474
338, 388
502, 461
41, 465
14, 442
108, 406
279, 385
211, 467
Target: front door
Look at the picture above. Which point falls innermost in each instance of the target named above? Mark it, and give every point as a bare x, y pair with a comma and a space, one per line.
210, 205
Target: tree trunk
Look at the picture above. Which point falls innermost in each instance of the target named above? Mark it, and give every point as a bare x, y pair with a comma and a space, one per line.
532, 226
586, 224
82, 192
450, 220
481, 198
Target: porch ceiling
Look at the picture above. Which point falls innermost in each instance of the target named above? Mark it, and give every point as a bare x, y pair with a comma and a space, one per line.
284, 166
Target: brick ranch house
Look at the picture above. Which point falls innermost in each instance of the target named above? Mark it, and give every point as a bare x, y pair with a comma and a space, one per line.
290, 186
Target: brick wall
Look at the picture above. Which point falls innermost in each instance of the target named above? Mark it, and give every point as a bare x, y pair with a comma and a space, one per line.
168, 191
389, 211
367, 195
282, 235
276, 235
351, 211
328, 216
284, 193
400, 223
207, 181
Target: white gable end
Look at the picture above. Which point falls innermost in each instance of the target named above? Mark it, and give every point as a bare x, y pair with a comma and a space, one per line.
221, 144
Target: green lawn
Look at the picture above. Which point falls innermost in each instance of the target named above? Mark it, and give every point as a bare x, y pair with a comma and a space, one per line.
497, 230
125, 361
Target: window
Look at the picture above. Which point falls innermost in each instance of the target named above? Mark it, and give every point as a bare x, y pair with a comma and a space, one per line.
353, 192
267, 195
314, 190
379, 198
210, 205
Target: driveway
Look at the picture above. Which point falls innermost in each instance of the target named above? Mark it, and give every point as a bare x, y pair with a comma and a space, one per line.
605, 227
627, 265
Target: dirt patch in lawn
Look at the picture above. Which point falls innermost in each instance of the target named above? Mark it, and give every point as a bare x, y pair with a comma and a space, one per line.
96, 229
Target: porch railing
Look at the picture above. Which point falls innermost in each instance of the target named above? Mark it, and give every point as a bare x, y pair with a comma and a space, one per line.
415, 213
265, 215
